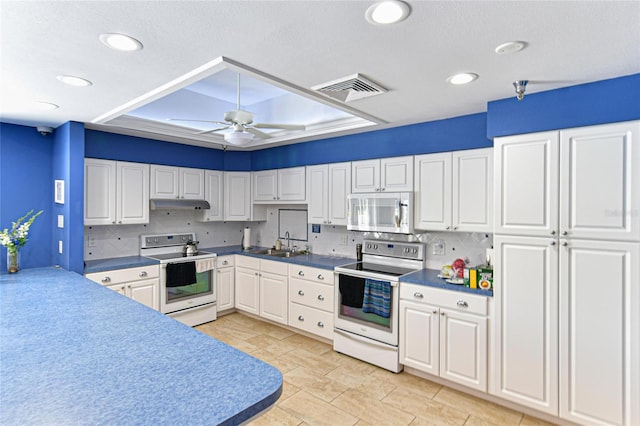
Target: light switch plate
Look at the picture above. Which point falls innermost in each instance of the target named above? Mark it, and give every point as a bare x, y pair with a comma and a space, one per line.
60, 246
60, 221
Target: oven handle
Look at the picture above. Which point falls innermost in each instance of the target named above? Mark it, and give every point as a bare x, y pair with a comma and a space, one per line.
365, 276
359, 338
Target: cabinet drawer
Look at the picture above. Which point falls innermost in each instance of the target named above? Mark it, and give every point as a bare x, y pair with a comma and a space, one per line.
225, 261
463, 302
311, 320
248, 262
312, 294
124, 275
274, 267
319, 275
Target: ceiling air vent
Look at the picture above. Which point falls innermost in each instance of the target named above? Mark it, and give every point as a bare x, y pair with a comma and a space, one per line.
350, 88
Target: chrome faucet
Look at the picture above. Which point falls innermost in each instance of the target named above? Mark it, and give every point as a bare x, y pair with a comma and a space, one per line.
287, 236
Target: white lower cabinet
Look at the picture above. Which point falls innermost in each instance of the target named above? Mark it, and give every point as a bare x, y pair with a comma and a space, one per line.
141, 284
261, 288
311, 295
444, 333
225, 283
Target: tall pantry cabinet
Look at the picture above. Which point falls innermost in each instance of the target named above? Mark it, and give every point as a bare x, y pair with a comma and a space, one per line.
567, 272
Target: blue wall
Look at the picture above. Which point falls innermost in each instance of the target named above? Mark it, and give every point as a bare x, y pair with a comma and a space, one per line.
26, 183
605, 101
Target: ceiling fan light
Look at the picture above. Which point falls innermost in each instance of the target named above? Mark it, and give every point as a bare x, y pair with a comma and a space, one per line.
238, 138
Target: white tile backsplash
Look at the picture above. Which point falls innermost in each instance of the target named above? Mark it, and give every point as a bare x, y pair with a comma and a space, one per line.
124, 240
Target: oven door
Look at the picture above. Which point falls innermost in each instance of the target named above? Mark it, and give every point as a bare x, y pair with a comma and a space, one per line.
367, 307
175, 298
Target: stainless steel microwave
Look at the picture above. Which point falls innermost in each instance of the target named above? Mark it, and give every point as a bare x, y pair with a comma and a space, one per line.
384, 212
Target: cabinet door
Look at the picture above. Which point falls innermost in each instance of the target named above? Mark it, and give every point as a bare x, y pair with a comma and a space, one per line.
318, 193
365, 176
526, 321
472, 199
339, 188
165, 182
396, 174
265, 185
213, 193
419, 331
225, 282
132, 202
99, 192
192, 184
463, 349
526, 184
291, 184
146, 292
433, 192
599, 329
600, 182
274, 297
237, 196
118, 288
247, 290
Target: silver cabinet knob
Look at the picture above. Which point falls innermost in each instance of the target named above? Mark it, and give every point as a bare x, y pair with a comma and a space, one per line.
565, 232
320, 297
122, 288
553, 232
142, 274
320, 324
455, 228
435, 311
447, 228
300, 318
225, 262
462, 303
552, 243
301, 293
564, 244
106, 280
256, 273
320, 277
418, 295
301, 273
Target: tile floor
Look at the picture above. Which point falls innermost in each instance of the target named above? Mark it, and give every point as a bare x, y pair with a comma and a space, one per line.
323, 387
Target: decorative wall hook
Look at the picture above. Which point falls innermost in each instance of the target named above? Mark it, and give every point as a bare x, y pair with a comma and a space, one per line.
520, 86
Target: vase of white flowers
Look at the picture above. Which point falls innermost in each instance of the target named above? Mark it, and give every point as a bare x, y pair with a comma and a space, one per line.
14, 239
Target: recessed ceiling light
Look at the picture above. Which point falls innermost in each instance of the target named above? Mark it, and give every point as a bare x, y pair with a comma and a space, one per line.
462, 78
510, 47
120, 42
45, 106
74, 81
387, 12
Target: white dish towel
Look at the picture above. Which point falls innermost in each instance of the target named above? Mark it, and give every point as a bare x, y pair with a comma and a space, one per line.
204, 265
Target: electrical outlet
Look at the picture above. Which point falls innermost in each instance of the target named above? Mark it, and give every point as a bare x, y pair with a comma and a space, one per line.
343, 240
91, 242
60, 246
60, 221
437, 248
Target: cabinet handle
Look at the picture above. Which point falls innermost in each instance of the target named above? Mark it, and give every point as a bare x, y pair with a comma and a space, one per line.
441, 313
552, 243
455, 228
106, 280
320, 277
320, 324
300, 318
142, 274
435, 311
383, 189
462, 303
377, 189
129, 286
122, 288
553, 232
274, 198
565, 232
114, 222
301, 293
447, 228
225, 262
320, 297
256, 273
301, 273
418, 295
564, 244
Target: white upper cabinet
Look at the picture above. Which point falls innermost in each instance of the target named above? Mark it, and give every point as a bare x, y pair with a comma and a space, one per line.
237, 196
213, 193
169, 182
454, 191
600, 182
526, 184
116, 192
279, 185
327, 190
388, 174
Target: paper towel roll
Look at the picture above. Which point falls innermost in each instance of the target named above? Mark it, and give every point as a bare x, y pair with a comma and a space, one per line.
246, 238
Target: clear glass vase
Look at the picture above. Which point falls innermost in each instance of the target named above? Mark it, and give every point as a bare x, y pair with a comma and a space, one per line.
13, 261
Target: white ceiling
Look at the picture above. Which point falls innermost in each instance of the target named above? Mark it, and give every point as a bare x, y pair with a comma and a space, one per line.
297, 45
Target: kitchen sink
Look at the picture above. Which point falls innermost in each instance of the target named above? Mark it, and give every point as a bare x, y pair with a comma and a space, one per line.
275, 253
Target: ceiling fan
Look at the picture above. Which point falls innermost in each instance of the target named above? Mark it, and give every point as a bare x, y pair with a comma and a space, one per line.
244, 129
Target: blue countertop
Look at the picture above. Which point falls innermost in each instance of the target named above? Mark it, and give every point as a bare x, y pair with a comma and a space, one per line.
101, 265
74, 352
429, 277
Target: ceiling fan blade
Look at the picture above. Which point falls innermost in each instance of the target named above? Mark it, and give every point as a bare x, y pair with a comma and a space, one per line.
213, 130
199, 121
279, 126
257, 133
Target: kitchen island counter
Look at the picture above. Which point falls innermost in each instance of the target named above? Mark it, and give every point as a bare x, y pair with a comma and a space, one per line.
74, 352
